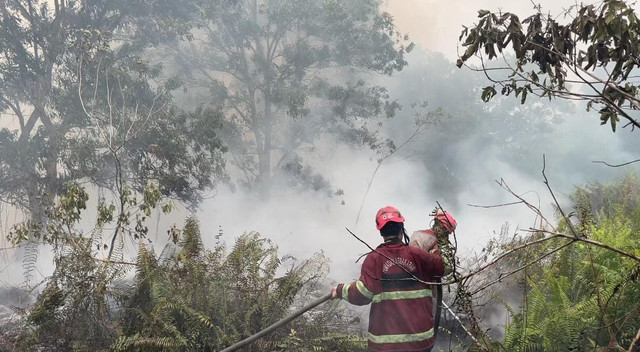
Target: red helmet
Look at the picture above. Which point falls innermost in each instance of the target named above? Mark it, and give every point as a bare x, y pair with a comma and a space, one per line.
447, 220
387, 214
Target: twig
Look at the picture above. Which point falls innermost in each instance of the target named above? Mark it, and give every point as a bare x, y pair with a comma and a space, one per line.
546, 182
533, 208
494, 206
277, 324
108, 261
394, 262
461, 324
482, 268
636, 339
617, 165
585, 240
502, 276
626, 317
558, 234
503, 255
417, 131
366, 192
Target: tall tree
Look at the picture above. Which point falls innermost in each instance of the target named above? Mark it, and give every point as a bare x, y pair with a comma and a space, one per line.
79, 104
589, 58
288, 71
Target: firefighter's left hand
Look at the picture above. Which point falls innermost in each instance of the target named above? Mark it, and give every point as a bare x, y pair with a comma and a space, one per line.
334, 293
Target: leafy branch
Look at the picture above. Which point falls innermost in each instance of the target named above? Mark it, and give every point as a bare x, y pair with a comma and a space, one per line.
549, 54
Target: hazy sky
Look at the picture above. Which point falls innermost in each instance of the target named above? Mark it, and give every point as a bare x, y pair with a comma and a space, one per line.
436, 24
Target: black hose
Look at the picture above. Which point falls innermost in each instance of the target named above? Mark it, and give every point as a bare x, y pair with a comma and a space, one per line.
438, 311
277, 324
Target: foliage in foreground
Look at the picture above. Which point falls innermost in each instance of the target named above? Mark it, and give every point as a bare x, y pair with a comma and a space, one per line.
188, 298
584, 297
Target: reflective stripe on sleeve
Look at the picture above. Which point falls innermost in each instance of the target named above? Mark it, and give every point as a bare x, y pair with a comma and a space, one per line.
401, 338
345, 292
394, 295
363, 289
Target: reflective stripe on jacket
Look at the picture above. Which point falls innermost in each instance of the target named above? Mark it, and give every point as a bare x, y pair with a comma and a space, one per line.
401, 316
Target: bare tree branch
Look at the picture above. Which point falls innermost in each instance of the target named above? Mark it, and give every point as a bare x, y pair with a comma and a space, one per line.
419, 129
616, 165
413, 277
591, 242
494, 206
635, 340
537, 260
546, 182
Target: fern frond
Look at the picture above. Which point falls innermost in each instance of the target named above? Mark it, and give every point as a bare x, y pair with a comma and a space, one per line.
118, 249
29, 261
138, 342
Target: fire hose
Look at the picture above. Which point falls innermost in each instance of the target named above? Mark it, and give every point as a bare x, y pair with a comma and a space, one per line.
438, 312
278, 324
312, 305
297, 313
317, 302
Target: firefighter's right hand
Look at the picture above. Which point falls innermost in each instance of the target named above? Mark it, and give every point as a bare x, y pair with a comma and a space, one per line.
334, 293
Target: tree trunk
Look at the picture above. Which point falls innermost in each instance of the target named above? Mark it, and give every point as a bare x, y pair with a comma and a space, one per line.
265, 170
264, 155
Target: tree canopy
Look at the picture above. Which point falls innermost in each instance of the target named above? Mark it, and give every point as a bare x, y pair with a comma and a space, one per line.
79, 103
286, 72
589, 53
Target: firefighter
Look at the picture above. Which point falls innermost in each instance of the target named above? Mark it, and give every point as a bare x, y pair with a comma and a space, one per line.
437, 237
401, 315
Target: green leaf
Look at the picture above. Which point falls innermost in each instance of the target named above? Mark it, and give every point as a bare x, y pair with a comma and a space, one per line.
534, 77
482, 13
610, 17
613, 120
488, 93
617, 5
523, 98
